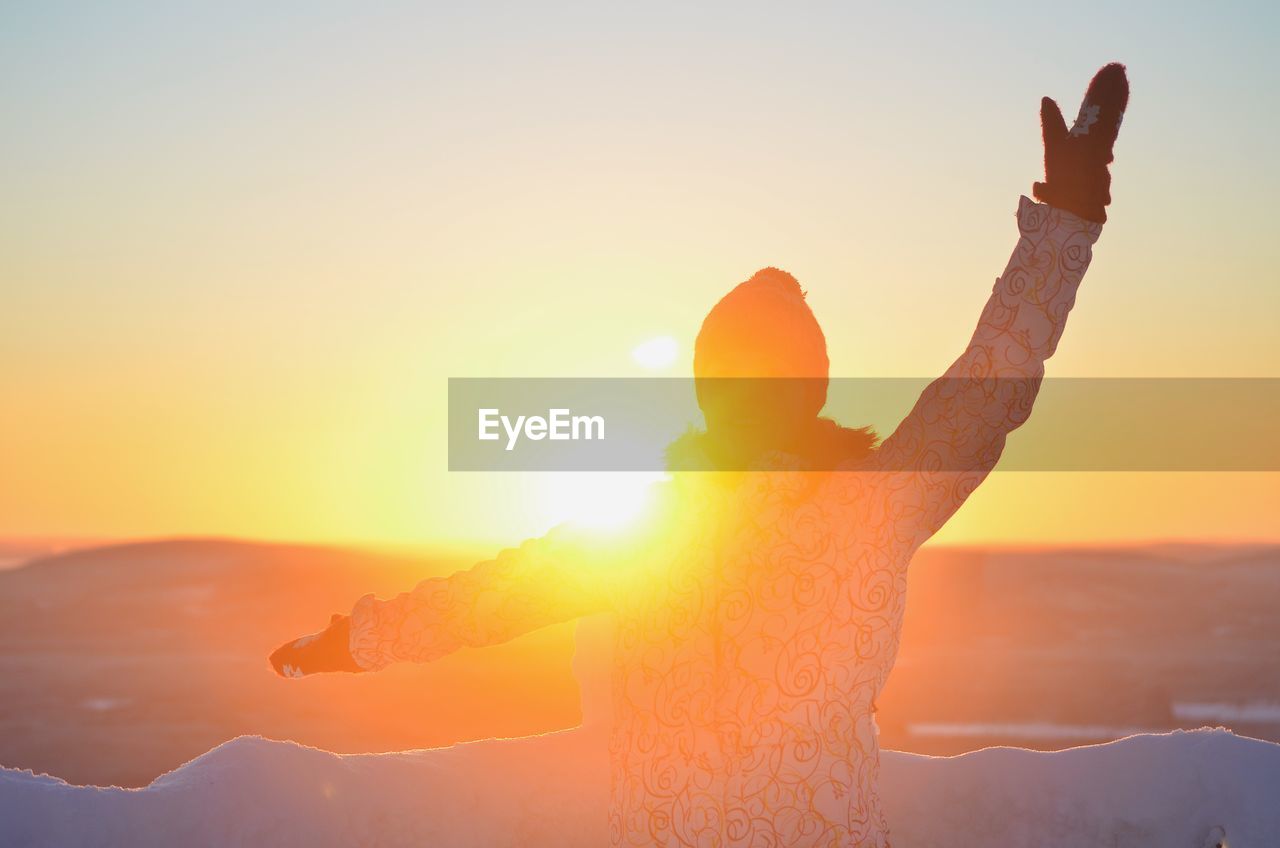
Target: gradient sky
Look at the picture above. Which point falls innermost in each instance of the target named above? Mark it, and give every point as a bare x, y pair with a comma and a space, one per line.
242, 248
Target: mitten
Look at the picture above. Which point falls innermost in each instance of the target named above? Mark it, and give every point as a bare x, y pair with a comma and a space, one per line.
1075, 161
328, 650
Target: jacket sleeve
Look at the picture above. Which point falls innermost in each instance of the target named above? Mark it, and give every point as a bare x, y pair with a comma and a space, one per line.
545, 581
956, 432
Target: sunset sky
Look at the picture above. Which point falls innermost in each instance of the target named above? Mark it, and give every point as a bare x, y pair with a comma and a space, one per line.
242, 248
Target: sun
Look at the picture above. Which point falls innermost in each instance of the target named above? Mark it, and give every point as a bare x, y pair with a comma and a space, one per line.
605, 500
656, 353
601, 500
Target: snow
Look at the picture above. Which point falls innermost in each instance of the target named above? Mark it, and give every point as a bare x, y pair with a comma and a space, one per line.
1185, 788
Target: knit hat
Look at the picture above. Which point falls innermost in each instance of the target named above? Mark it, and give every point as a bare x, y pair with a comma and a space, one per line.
764, 328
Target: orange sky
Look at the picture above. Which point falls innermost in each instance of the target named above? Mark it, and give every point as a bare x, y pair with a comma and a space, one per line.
239, 263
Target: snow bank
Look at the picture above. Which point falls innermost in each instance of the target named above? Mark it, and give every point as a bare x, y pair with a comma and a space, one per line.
1192, 789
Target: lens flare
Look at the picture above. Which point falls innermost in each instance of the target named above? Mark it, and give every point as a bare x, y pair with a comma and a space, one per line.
600, 500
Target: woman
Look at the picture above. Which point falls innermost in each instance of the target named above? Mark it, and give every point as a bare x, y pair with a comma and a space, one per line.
759, 610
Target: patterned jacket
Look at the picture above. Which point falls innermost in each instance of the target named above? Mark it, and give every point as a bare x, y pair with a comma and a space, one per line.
759, 613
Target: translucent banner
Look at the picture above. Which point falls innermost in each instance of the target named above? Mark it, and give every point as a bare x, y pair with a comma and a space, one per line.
1079, 424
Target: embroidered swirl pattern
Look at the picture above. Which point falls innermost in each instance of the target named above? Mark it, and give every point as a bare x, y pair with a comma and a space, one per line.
759, 614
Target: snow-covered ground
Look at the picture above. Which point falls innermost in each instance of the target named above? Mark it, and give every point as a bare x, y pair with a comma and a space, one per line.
1176, 790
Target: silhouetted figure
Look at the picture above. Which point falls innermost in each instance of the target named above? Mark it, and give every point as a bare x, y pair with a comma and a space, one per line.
759, 610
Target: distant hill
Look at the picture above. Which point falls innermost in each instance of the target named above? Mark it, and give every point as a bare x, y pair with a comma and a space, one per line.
119, 663
19, 551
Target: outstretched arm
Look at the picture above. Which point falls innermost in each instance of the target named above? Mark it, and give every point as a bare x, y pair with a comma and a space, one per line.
956, 432
545, 581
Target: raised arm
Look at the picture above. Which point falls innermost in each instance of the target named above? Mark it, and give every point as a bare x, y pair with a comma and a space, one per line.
956, 432
558, 577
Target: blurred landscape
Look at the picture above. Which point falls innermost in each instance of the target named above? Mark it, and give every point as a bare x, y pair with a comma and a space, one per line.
118, 663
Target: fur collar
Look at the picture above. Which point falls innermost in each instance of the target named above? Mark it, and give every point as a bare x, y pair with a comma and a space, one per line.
825, 447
